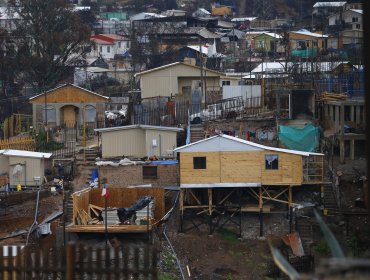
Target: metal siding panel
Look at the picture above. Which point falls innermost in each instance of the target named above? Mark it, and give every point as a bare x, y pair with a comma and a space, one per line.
4, 164
33, 169
168, 142
123, 143
159, 83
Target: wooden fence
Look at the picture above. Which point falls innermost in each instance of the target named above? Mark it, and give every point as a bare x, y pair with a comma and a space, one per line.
16, 124
79, 262
22, 143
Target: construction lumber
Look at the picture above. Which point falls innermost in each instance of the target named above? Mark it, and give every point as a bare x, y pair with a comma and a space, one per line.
110, 228
329, 96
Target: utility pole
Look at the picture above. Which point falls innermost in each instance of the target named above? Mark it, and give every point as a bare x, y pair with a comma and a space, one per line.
201, 73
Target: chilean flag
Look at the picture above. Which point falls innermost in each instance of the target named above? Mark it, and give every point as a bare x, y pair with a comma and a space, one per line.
105, 191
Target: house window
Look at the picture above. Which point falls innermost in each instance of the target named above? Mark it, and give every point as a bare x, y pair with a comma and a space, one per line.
314, 43
150, 172
354, 19
271, 162
225, 83
199, 162
119, 44
50, 113
358, 26
108, 49
101, 49
90, 113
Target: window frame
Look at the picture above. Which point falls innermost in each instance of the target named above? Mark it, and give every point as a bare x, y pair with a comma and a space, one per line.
145, 170
273, 166
200, 163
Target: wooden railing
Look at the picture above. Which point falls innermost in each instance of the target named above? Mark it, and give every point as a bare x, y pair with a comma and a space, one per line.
313, 169
79, 262
23, 143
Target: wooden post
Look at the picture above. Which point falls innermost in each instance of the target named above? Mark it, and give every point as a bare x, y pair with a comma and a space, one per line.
352, 113
210, 201
261, 211
352, 149
181, 205
341, 149
70, 261
336, 122
358, 114
210, 211
290, 195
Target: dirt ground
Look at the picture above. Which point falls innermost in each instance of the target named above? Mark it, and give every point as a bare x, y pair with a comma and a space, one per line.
17, 217
222, 255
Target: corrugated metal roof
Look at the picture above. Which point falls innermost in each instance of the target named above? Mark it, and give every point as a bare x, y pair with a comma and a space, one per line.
274, 35
20, 153
248, 145
151, 127
309, 33
243, 19
329, 4
357, 11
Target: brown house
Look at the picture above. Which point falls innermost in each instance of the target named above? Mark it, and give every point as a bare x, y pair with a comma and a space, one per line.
214, 169
68, 105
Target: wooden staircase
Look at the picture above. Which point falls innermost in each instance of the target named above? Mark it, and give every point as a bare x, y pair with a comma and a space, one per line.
91, 154
330, 201
196, 132
308, 231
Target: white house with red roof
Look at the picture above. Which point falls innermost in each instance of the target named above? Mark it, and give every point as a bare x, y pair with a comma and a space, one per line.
109, 45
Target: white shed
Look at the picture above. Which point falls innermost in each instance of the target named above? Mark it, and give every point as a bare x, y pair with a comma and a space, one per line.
138, 141
23, 167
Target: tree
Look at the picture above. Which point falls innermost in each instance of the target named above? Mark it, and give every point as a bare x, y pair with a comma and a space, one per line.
87, 17
50, 38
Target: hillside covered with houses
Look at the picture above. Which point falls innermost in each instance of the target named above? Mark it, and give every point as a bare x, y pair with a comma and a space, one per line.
198, 124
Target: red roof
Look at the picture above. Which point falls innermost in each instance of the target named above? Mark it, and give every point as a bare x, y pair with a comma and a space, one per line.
107, 38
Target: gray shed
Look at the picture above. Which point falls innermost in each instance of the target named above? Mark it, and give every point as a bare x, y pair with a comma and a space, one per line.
138, 141
23, 167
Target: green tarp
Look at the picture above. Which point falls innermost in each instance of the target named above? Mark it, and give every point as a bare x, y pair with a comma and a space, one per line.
309, 52
301, 139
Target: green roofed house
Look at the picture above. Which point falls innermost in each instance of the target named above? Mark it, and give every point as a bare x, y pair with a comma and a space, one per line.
114, 16
268, 42
304, 43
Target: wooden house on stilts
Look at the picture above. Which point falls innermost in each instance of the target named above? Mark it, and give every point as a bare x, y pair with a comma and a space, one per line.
220, 167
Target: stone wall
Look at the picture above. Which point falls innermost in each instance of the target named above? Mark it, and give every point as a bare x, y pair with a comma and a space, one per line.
131, 175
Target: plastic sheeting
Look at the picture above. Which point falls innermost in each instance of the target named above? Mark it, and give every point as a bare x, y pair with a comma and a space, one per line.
124, 161
301, 139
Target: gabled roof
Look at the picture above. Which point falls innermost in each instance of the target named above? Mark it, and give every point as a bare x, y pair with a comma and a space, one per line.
65, 85
275, 67
273, 35
329, 4
222, 142
241, 19
202, 10
175, 64
107, 39
357, 11
146, 127
308, 33
20, 153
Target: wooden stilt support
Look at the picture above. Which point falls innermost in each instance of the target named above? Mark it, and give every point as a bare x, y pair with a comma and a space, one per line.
210, 201
210, 226
290, 196
181, 198
261, 212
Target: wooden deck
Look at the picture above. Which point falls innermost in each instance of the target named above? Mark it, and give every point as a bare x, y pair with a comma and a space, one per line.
110, 228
